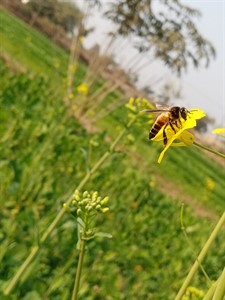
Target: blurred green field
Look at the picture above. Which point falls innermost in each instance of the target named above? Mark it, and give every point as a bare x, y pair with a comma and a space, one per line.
43, 158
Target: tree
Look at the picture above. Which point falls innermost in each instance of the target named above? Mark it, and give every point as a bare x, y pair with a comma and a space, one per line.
65, 13
164, 28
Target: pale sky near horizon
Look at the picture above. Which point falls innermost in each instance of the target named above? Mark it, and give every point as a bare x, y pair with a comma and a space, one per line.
203, 88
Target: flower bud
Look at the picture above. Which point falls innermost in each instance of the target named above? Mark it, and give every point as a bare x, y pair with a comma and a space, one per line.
76, 196
105, 209
79, 211
66, 207
93, 204
98, 207
99, 199
89, 232
74, 203
130, 138
94, 195
86, 194
84, 201
89, 208
94, 143
105, 200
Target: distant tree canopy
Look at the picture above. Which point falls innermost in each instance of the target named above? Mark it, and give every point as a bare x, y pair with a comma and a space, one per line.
164, 27
63, 13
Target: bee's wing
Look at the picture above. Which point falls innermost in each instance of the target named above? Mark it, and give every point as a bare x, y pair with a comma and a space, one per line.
164, 107
156, 110
159, 108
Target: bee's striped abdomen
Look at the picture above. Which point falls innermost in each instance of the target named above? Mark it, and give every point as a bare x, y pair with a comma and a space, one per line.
159, 123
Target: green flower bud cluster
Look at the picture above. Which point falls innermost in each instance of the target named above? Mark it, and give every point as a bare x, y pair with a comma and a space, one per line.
93, 143
130, 138
193, 293
138, 104
89, 202
136, 108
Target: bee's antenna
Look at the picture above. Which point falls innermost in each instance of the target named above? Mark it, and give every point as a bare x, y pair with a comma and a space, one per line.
191, 112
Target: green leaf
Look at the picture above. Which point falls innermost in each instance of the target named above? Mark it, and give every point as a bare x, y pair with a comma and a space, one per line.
103, 234
32, 296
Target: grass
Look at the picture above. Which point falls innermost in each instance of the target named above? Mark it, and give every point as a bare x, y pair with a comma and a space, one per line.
30, 49
44, 153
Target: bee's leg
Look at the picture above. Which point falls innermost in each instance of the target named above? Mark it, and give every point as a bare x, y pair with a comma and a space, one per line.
171, 125
179, 122
164, 134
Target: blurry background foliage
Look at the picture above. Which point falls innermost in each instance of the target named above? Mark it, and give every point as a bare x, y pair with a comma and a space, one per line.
45, 152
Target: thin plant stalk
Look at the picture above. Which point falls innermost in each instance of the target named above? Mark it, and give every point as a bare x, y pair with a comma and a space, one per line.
95, 104
209, 149
220, 287
35, 250
109, 109
200, 257
210, 292
188, 240
79, 269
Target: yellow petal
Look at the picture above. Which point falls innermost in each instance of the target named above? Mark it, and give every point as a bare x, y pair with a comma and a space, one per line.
189, 123
219, 131
179, 144
170, 141
197, 113
187, 138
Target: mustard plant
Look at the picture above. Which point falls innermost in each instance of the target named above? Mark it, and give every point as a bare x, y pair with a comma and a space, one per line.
134, 115
85, 207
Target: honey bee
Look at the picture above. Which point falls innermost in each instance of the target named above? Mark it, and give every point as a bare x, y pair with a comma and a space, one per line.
169, 116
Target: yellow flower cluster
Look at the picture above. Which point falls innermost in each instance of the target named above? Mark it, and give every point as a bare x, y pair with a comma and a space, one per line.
83, 88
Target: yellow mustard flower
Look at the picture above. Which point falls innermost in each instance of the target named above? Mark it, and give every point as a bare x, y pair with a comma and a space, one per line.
210, 184
220, 131
83, 88
74, 107
185, 137
130, 138
81, 39
72, 67
71, 96
152, 183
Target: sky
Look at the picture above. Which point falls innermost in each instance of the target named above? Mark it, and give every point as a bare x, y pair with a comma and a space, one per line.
203, 88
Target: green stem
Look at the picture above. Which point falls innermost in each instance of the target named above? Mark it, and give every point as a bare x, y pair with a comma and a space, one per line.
79, 269
209, 149
21, 270
12, 283
210, 292
220, 288
183, 228
200, 257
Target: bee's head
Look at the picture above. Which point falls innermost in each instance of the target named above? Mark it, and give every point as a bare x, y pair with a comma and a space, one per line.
184, 113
